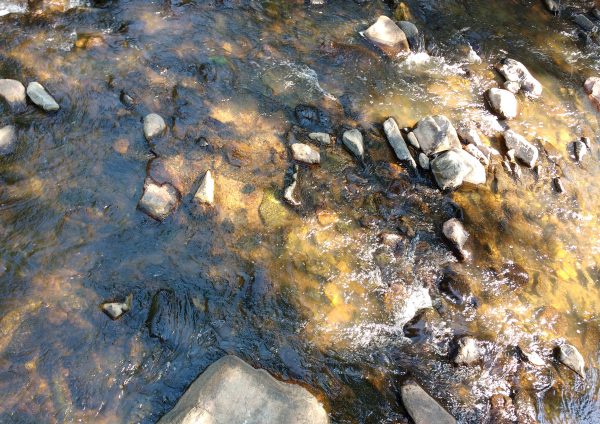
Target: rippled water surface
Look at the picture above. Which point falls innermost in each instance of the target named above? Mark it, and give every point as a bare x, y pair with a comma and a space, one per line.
310, 294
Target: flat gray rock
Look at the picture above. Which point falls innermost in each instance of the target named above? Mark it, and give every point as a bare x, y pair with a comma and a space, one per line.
232, 392
305, 153
8, 140
158, 201
41, 98
397, 142
523, 150
422, 408
386, 33
154, 125
436, 134
353, 140
13, 93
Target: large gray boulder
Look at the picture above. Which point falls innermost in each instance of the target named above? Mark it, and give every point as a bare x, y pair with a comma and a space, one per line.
524, 150
387, 35
516, 73
422, 408
436, 134
456, 166
397, 142
232, 392
502, 102
13, 93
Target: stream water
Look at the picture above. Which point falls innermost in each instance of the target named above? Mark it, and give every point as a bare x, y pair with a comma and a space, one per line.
310, 294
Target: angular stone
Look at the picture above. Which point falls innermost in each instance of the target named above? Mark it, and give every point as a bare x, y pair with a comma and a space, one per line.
154, 125
13, 93
232, 392
322, 138
385, 33
353, 140
478, 154
305, 153
455, 232
515, 71
158, 201
584, 23
436, 134
468, 134
38, 95
397, 142
422, 408
570, 356
8, 140
116, 310
502, 102
206, 191
524, 150
454, 167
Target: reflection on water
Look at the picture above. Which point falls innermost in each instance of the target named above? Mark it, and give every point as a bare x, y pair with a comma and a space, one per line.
318, 294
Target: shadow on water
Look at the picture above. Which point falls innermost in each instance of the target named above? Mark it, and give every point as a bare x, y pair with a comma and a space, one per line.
311, 295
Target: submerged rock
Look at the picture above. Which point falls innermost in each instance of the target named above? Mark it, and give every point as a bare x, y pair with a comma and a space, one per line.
523, 150
584, 23
13, 93
411, 32
454, 167
116, 310
457, 286
305, 153
353, 140
8, 140
436, 134
502, 102
530, 356
397, 142
272, 211
154, 126
456, 234
422, 408
570, 356
312, 119
322, 138
467, 352
231, 391
514, 71
206, 191
158, 201
38, 95
387, 35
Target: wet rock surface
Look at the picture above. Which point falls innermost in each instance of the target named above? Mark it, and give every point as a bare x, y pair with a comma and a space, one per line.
206, 191
436, 134
515, 72
231, 391
305, 153
38, 95
353, 140
570, 356
523, 150
8, 140
502, 102
397, 142
154, 126
387, 35
423, 409
158, 201
453, 167
13, 93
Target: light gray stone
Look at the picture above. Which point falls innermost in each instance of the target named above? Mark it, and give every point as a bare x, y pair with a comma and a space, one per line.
39, 96
570, 356
422, 408
385, 32
502, 102
397, 142
13, 93
154, 126
158, 201
478, 154
454, 167
424, 161
353, 140
436, 134
456, 234
552, 6
524, 150
468, 134
412, 139
467, 352
305, 153
232, 392
206, 191
288, 194
8, 140
515, 71
322, 138
116, 310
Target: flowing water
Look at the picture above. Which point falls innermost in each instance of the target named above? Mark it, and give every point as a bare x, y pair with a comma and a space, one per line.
310, 294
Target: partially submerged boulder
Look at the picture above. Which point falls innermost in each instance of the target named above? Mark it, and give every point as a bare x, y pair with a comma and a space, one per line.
233, 392
388, 36
422, 408
453, 167
502, 102
515, 72
13, 93
523, 150
436, 134
353, 140
38, 95
158, 201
